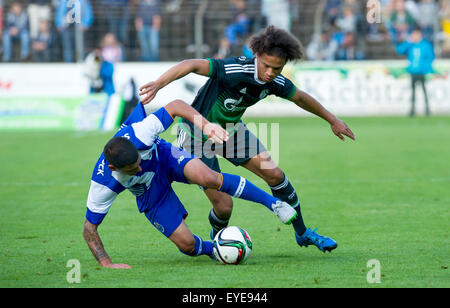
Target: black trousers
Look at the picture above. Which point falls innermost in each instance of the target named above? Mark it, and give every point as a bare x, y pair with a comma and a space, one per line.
418, 78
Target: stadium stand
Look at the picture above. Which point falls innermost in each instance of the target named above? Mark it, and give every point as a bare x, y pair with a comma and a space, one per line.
192, 28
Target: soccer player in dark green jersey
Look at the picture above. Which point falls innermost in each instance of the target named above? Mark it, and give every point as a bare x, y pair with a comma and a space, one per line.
235, 84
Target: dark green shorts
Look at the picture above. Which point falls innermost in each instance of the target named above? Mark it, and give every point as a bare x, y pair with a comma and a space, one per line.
240, 147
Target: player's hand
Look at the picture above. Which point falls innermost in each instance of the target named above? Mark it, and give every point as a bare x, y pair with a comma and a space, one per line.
215, 132
339, 128
149, 90
118, 265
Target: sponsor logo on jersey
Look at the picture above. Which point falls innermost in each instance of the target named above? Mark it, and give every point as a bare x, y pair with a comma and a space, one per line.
231, 103
101, 168
180, 159
159, 227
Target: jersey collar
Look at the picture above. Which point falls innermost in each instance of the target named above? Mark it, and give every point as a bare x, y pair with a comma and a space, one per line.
255, 76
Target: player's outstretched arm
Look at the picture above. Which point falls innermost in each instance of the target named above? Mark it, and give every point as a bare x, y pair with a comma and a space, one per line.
308, 103
179, 108
149, 90
96, 246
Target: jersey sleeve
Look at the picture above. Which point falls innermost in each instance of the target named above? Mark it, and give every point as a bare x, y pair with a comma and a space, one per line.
148, 129
102, 192
283, 87
137, 115
216, 68
144, 132
100, 199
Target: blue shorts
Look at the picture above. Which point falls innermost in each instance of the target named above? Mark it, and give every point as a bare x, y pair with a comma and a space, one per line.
168, 213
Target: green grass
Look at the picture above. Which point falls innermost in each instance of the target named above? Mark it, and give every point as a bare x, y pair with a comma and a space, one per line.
385, 197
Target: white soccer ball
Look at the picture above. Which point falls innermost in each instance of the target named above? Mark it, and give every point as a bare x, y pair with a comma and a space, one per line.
233, 245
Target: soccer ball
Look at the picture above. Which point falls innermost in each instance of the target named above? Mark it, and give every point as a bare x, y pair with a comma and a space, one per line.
233, 245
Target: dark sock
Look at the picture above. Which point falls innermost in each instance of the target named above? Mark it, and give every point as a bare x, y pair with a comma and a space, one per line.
217, 224
285, 192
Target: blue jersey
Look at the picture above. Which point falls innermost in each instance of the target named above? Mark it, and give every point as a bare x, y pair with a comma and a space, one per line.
161, 164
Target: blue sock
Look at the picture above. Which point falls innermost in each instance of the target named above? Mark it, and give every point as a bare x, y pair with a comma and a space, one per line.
201, 248
239, 187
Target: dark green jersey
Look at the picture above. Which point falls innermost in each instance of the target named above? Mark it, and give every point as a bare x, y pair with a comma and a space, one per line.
233, 86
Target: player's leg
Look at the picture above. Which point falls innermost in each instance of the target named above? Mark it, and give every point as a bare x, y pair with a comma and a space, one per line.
246, 150
196, 172
222, 203
168, 217
258, 160
219, 215
263, 166
189, 243
425, 94
413, 94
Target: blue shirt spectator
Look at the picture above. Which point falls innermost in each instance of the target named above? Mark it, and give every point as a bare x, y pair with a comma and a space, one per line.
67, 15
63, 20
420, 54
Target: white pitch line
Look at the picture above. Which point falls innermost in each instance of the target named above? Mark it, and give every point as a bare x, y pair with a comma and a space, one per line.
259, 181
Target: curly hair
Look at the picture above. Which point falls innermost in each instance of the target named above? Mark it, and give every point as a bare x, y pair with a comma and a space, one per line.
277, 42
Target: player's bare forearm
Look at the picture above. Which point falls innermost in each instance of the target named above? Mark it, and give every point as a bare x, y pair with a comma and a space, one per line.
179, 108
95, 244
185, 67
310, 104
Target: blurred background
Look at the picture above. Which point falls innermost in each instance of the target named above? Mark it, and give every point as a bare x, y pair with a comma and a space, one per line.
170, 30
68, 50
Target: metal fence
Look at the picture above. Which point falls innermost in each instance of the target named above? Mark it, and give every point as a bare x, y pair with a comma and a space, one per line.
156, 30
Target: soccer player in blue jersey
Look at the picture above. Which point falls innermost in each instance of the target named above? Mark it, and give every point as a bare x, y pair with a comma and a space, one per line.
235, 84
138, 160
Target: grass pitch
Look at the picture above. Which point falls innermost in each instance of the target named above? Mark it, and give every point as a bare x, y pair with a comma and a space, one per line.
384, 197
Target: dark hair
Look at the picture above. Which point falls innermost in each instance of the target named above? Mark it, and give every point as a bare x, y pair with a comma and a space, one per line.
120, 152
277, 42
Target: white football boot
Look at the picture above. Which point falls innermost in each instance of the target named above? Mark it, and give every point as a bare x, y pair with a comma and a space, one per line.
284, 211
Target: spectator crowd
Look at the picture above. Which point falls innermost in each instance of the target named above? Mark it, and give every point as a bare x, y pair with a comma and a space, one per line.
349, 26
49, 30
